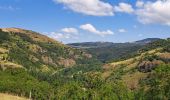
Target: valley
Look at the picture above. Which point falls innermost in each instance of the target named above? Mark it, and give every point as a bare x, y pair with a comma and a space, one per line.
34, 64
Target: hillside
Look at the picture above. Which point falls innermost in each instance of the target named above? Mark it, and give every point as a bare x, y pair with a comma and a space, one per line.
143, 70
33, 65
31, 62
108, 51
32, 50
146, 41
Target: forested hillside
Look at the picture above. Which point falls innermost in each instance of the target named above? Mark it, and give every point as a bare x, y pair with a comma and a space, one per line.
37, 67
34, 51
108, 51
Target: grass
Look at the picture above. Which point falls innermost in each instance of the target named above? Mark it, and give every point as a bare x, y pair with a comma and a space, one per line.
132, 80
10, 64
4, 96
2, 50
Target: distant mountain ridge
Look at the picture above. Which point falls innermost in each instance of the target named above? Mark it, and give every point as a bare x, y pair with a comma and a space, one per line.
90, 44
107, 44
108, 51
147, 40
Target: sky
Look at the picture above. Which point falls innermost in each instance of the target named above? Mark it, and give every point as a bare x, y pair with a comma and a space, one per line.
70, 21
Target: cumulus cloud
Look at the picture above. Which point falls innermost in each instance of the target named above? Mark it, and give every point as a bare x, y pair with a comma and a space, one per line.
58, 36
124, 7
92, 29
139, 4
122, 30
66, 33
88, 7
154, 12
70, 30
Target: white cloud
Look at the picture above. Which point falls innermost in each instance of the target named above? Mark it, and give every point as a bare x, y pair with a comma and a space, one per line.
92, 29
124, 7
122, 30
58, 36
139, 4
67, 33
155, 12
70, 30
88, 7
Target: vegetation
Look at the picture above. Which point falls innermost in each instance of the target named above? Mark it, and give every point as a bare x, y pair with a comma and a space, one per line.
109, 52
157, 84
115, 53
19, 82
41, 76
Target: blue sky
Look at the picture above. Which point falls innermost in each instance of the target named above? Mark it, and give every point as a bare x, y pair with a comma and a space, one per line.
89, 20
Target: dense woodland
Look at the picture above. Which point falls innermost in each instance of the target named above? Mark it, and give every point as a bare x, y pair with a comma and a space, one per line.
81, 81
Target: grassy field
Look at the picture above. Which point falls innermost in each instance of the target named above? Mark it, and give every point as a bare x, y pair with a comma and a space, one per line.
11, 97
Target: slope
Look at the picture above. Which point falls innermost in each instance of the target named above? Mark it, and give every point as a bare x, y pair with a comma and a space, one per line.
132, 70
32, 50
108, 51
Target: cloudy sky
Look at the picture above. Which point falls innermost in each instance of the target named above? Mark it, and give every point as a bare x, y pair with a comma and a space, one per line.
89, 20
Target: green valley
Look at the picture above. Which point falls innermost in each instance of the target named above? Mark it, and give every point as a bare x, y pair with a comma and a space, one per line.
37, 67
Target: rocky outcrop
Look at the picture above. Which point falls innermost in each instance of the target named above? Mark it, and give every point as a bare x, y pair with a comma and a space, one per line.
148, 66
48, 60
87, 55
165, 57
66, 62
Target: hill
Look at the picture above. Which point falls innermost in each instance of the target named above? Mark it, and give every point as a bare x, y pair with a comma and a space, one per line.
90, 44
145, 71
31, 62
32, 50
33, 65
107, 44
108, 51
146, 41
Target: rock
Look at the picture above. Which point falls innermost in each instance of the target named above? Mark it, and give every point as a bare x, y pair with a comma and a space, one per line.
165, 57
66, 62
87, 55
48, 60
148, 66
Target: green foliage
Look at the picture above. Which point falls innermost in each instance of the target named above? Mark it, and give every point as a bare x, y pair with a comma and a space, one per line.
115, 53
151, 57
157, 44
82, 81
117, 73
158, 84
167, 47
19, 82
3, 36
90, 86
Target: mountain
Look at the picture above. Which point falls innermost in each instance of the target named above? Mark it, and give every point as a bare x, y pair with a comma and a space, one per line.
90, 44
108, 51
108, 44
146, 41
